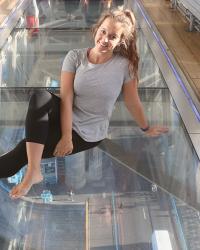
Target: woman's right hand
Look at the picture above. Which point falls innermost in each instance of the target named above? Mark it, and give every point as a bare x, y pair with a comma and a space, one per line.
64, 147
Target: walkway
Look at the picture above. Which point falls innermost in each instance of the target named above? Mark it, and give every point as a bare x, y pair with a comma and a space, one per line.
184, 45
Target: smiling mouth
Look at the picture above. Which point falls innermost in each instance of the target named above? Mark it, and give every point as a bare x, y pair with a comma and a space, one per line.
103, 45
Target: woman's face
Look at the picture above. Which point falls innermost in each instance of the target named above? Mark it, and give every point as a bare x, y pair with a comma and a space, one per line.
108, 36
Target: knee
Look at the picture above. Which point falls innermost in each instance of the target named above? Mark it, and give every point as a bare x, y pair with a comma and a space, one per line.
41, 94
39, 98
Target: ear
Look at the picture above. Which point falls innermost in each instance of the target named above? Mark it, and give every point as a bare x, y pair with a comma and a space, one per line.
122, 40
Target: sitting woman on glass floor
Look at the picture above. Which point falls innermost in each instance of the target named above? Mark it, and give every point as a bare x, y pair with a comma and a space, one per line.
91, 81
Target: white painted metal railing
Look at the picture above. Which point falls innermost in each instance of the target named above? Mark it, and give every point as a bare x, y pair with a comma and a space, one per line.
191, 9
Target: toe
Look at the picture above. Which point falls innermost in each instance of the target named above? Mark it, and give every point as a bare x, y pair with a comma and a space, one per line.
17, 192
17, 195
13, 191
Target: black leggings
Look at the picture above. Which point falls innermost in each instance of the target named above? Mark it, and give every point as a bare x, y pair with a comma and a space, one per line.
42, 126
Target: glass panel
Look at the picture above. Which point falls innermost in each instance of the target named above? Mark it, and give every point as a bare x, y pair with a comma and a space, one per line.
64, 14
159, 159
37, 61
6, 8
107, 197
123, 181
169, 160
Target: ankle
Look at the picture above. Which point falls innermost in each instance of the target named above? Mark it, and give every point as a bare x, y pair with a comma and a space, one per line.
33, 169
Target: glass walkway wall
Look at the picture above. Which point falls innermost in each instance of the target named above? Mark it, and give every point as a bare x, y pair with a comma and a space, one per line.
131, 192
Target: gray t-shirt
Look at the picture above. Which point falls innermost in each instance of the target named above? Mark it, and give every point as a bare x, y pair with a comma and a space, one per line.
96, 88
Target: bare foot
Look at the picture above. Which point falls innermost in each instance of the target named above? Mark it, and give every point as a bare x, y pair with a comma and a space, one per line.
28, 181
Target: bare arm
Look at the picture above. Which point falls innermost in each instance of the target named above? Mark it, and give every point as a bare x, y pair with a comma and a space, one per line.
134, 105
65, 145
66, 95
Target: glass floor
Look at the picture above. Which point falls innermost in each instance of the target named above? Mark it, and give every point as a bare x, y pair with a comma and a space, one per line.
131, 192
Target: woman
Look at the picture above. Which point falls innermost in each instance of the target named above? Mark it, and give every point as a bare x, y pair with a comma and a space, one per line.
91, 81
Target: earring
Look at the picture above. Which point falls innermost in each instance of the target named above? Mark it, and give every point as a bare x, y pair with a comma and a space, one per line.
122, 43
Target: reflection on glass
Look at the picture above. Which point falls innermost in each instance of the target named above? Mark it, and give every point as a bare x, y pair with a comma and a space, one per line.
109, 196
6, 10
149, 73
67, 13
108, 178
32, 18
36, 61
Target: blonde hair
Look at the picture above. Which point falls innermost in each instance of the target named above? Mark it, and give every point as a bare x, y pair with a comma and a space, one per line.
127, 47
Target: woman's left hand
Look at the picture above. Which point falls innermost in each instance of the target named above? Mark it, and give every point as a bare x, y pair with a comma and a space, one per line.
156, 131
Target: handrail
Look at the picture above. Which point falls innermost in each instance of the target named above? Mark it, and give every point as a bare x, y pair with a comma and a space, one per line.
191, 10
11, 20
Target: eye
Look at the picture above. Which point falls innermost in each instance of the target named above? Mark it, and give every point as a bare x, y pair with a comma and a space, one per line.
113, 37
103, 32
